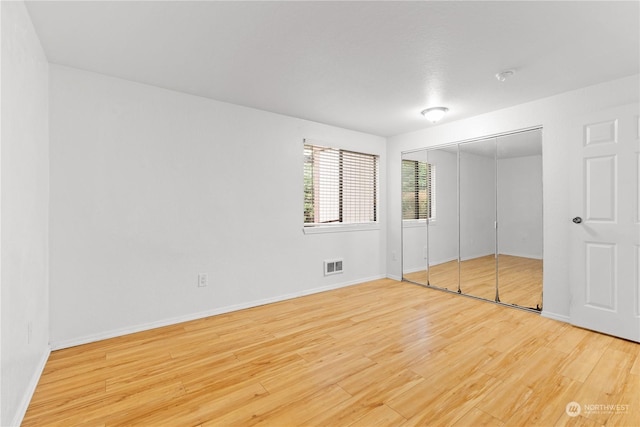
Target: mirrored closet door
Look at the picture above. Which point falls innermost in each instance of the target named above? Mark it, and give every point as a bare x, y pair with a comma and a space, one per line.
519, 202
477, 192
442, 227
472, 218
415, 214
430, 217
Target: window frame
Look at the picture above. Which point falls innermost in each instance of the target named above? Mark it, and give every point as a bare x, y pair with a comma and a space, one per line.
339, 225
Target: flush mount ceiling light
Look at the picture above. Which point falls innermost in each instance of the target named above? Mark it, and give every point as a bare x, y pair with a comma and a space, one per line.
504, 75
434, 114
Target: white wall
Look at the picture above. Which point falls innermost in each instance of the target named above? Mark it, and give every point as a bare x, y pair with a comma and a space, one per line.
553, 114
150, 187
24, 222
520, 206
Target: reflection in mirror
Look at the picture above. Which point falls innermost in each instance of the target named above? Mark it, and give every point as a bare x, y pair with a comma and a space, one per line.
519, 183
415, 211
477, 174
443, 221
472, 218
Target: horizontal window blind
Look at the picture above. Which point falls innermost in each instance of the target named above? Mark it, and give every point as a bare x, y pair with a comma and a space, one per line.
340, 186
418, 190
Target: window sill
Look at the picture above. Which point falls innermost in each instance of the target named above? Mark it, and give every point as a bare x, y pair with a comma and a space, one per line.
342, 228
415, 223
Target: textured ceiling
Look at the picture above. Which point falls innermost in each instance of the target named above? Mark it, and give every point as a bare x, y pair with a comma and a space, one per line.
368, 66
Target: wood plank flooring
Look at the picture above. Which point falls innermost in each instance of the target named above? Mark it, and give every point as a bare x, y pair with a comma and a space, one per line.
382, 353
520, 279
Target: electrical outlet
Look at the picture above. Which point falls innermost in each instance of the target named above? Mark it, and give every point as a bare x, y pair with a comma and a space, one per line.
203, 280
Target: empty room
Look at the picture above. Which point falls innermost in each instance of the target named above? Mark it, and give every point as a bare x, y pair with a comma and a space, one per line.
320, 213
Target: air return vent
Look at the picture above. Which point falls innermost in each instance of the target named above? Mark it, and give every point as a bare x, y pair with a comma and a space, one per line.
332, 266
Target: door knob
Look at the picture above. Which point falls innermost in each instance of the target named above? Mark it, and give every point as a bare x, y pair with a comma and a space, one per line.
577, 220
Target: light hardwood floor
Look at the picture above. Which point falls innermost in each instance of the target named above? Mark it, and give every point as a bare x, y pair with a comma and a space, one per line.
520, 279
380, 353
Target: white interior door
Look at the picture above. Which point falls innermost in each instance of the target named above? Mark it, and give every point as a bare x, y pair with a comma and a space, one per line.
605, 270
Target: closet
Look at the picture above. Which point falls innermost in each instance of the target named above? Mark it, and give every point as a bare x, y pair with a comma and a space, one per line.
472, 218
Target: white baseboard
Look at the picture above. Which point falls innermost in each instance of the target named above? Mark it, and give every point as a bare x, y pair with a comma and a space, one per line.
433, 264
474, 256
522, 255
444, 261
416, 269
57, 345
31, 388
555, 316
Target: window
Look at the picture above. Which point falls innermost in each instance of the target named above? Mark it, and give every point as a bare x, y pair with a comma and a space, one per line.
340, 186
418, 190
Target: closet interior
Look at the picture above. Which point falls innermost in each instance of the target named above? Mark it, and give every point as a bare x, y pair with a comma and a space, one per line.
472, 218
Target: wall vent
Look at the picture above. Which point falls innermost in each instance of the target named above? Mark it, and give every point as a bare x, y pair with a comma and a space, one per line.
332, 266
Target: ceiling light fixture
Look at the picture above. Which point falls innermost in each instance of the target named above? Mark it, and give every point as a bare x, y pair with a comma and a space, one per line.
434, 114
504, 75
